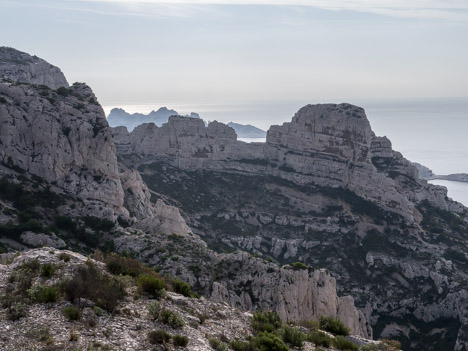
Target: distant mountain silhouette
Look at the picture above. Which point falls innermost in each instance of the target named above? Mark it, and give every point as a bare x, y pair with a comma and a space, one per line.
247, 131
120, 117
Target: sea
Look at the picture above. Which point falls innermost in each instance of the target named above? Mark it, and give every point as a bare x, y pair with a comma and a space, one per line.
433, 132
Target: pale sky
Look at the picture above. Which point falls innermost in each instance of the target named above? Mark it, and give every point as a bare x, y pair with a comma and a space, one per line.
140, 52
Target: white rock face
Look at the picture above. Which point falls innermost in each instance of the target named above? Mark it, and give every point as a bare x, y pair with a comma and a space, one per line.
61, 140
165, 219
19, 66
294, 294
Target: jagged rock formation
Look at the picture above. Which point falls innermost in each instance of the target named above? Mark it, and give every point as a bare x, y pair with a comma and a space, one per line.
20, 66
247, 131
119, 117
323, 190
295, 294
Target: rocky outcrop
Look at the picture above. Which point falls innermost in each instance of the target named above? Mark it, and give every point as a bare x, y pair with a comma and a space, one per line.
295, 294
62, 140
20, 66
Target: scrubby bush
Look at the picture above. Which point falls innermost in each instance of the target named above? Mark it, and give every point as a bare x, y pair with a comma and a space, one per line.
269, 342
159, 337
151, 285
45, 294
182, 288
298, 265
47, 270
319, 339
120, 265
72, 313
293, 336
266, 321
218, 345
241, 345
64, 257
341, 343
172, 318
63, 91
154, 310
333, 325
180, 340
89, 283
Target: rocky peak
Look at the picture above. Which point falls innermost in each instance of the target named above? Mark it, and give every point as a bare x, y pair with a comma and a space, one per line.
22, 67
341, 130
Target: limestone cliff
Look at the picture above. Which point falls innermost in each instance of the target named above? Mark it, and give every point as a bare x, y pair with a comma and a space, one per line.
20, 66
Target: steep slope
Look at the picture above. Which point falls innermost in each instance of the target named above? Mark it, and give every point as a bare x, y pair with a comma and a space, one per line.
325, 191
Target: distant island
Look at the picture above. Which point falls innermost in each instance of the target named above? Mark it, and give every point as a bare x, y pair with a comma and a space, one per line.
427, 174
247, 131
119, 117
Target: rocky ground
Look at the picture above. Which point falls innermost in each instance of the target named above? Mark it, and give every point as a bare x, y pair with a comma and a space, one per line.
35, 321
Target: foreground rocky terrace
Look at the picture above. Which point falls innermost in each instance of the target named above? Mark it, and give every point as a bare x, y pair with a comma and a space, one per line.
48, 305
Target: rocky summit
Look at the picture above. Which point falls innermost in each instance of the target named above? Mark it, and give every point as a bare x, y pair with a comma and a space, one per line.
324, 229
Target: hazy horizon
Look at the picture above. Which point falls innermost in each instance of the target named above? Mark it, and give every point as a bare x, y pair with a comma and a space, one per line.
141, 51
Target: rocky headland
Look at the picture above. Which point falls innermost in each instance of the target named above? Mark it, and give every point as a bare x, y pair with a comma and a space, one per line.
427, 174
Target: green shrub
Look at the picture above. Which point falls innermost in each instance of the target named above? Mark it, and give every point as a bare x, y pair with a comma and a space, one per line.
319, 339
64, 257
47, 270
72, 313
154, 310
172, 318
89, 283
269, 342
32, 266
341, 343
293, 336
158, 337
298, 265
218, 345
266, 321
63, 91
241, 345
16, 311
180, 340
333, 325
45, 294
182, 288
151, 285
120, 265
97, 223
